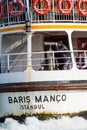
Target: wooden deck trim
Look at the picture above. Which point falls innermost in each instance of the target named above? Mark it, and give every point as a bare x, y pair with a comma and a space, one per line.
42, 86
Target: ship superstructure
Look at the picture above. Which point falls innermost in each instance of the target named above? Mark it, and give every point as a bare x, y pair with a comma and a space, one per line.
29, 61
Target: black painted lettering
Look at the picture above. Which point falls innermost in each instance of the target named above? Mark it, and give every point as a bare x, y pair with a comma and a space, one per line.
58, 98
20, 99
10, 99
28, 99
38, 99
45, 99
15, 100
21, 107
24, 99
35, 106
43, 107
63, 97
27, 107
39, 106
52, 98
31, 106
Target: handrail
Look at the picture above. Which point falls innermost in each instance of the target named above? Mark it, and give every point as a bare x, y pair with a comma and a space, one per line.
17, 62
52, 16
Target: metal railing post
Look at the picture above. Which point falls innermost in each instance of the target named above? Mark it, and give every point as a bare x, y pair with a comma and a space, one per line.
8, 65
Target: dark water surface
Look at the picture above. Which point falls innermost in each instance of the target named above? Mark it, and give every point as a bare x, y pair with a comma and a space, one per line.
32, 123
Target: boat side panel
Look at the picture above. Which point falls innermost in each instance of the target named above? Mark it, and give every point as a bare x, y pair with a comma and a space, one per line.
55, 102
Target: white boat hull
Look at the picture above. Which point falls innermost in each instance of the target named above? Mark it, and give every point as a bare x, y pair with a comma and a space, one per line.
54, 102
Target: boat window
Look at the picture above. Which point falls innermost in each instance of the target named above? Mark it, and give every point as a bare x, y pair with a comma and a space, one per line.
79, 40
13, 58
53, 52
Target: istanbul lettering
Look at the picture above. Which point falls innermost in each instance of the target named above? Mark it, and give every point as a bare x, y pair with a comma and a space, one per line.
37, 102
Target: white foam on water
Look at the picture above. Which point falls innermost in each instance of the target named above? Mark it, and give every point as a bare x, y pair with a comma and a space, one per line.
32, 123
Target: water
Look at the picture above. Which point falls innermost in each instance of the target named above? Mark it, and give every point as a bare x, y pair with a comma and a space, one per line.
32, 123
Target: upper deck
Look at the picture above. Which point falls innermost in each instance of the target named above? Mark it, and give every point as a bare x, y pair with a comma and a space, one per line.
46, 11
21, 53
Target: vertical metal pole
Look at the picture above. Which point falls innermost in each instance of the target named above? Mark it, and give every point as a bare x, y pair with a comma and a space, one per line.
27, 11
8, 63
29, 49
28, 31
8, 11
0, 42
27, 5
0, 52
71, 48
85, 57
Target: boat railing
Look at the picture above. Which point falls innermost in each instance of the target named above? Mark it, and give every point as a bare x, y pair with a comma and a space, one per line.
14, 62
52, 60
53, 15
40, 61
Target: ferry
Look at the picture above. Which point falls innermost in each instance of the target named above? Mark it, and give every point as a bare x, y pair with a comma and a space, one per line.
33, 79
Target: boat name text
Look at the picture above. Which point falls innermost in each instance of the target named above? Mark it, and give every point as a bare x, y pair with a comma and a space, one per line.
37, 99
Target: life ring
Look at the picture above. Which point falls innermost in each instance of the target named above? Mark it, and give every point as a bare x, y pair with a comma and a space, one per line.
84, 13
2, 8
68, 11
16, 13
41, 12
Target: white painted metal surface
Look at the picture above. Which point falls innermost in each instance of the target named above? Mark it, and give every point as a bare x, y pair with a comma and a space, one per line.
59, 102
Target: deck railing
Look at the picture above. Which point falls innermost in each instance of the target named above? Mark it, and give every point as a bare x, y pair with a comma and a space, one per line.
40, 61
52, 16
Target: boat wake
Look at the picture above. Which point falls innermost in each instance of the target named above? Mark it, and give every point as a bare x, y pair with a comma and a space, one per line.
32, 123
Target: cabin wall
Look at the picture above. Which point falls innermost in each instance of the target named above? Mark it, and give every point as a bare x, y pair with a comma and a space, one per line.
37, 46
